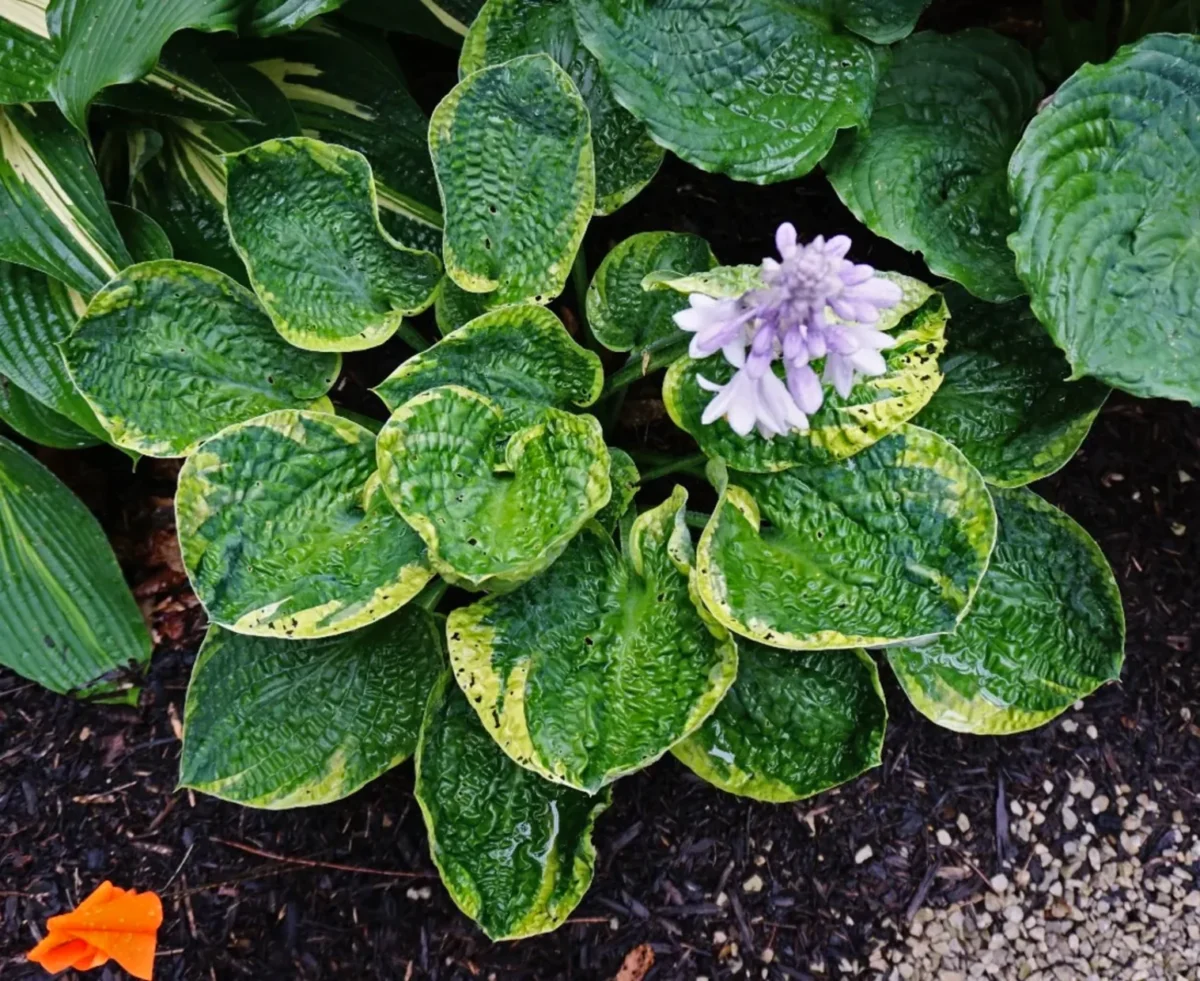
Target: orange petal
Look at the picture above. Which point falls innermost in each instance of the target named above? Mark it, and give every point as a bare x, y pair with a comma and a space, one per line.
57, 953
129, 912
97, 959
133, 951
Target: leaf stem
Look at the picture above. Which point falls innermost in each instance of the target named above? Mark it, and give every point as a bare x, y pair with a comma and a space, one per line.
656, 356
432, 594
687, 464
697, 519
579, 282
412, 337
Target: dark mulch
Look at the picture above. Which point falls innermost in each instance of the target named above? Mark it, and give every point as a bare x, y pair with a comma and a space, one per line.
87, 792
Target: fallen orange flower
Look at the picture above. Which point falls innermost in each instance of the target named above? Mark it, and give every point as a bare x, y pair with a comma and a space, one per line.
111, 923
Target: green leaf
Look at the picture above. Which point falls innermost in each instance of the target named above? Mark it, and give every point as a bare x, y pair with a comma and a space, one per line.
491, 511
1104, 182
285, 534
624, 477
792, 725
1006, 401
722, 281
185, 82
343, 93
143, 236
283, 723
106, 42
887, 547
515, 851
169, 353
623, 316
756, 89
594, 669
29, 61
414, 17
455, 15
881, 21
36, 315
455, 307
626, 157
266, 17
842, 427
929, 171
53, 215
521, 357
1046, 629
517, 185
304, 219
37, 422
67, 619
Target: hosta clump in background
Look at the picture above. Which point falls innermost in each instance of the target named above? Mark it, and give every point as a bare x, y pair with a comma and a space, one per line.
867, 437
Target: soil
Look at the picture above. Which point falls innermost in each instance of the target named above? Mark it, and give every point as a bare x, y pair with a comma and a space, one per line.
701, 883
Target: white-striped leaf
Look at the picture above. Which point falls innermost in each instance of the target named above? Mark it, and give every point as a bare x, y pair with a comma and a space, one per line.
53, 215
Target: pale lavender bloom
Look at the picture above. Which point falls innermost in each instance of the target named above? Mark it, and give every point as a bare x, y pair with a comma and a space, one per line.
787, 320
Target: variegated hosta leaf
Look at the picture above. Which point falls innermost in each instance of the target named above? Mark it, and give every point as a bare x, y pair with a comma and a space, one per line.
30, 60
756, 89
519, 356
517, 186
343, 93
881, 21
1104, 180
887, 547
455, 307
67, 619
515, 851
106, 42
1046, 629
284, 531
169, 353
626, 157
595, 668
842, 427
929, 170
722, 281
624, 477
266, 17
622, 314
1006, 401
39, 423
456, 15
36, 315
792, 725
421, 18
283, 723
491, 510
304, 219
143, 236
53, 215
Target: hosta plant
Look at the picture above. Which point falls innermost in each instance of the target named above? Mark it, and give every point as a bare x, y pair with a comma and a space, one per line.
479, 566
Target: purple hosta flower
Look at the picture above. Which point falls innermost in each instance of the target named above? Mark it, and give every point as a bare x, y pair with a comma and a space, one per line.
786, 319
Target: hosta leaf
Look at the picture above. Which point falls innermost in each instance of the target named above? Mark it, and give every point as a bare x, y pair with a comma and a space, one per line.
283, 723
929, 170
887, 547
626, 157
881, 21
67, 619
53, 215
842, 426
517, 185
285, 533
304, 219
792, 725
519, 356
515, 851
36, 315
106, 42
595, 668
37, 422
169, 353
621, 313
1046, 629
624, 477
343, 93
30, 60
143, 236
1104, 181
1006, 401
490, 510
722, 281
455, 307
415, 17
280, 16
756, 89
